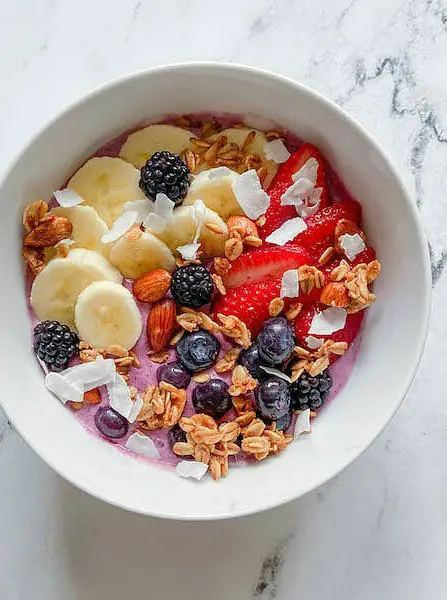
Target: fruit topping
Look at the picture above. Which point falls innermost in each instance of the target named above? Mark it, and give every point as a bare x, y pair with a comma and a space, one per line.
249, 359
165, 173
144, 143
212, 398
151, 286
311, 392
276, 341
55, 344
192, 286
273, 398
176, 434
175, 374
214, 187
197, 351
111, 424
283, 423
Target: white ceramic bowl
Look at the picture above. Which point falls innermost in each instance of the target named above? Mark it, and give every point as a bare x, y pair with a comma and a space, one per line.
395, 327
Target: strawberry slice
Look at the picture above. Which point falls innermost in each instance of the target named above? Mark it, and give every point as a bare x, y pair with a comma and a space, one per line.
267, 262
276, 215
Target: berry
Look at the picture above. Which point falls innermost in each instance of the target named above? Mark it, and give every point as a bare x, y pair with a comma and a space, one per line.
197, 351
276, 341
267, 262
250, 359
283, 423
273, 399
311, 392
176, 434
192, 286
212, 398
175, 374
165, 173
110, 423
55, 344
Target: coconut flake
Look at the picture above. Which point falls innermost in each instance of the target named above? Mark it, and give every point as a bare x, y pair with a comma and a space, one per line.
290, 284
287, 231
191, 468
119, 396
302, 424
120, 226
92, 374
297, 192
159, 214
329, 320
308, 171
67, 198
276, 151
198, 215
352, 244
64, 389
136, 409
142, 444
218, 173
276, 373
142, 206
155, 223
248, 191
188, 251
313, 343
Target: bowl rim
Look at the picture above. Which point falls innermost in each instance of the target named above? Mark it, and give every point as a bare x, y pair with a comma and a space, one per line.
227, 67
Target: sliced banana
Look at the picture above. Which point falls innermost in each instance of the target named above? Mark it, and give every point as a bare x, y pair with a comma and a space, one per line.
106, 314
107, 184
55, 290
138, 252
238, 135
182, 228
214, 188
142, 144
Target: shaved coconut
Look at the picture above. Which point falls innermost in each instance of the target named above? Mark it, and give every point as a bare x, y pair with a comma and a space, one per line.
188, 251
276, 373
218, 173
313, 343
164, 207
308, 171
154, 222
67, 198
136, 409
92, 374
198, 214
302, 424
297, 192
248, 191
351, 244
143, 207
119, 396
330, 320
142, 444
276, 151
290, 284
159, 213
191, 468
287, 231
64, 389
120, 226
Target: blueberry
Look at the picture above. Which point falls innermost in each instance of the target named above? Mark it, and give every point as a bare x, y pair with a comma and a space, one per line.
110, 423
197, 351
273, 398
176, 434
175, 374
276, 341
250, 359
212, 398
283, 423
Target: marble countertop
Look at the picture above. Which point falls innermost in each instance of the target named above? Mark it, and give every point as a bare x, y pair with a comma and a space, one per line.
379, 530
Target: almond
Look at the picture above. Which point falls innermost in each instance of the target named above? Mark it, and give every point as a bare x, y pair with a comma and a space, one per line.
335, 294
242, 226
161, 323
151, 286
92, 396
50, 230
343, 227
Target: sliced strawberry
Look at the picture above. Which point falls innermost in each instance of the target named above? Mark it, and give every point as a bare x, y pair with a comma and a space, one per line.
277, 214
267, 262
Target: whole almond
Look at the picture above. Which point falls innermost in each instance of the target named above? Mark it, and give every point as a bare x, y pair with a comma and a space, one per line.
343, 227
50, 231
161, 322
152, 286
335, 294
92, 396
243, 226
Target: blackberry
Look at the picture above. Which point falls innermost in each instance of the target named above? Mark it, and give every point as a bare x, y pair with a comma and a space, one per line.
192, 286
165, 173
311, 392
55, 344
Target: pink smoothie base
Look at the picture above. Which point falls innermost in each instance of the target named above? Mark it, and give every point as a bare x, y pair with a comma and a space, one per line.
146, 374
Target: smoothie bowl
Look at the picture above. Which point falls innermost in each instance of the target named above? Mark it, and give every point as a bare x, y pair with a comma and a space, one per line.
212, 314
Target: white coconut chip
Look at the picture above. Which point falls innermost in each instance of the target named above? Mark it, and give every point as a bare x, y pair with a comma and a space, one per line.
313, 343
329, 320
64, 389
191, 468
160, 213
276, 151
302, 424
188, 251
121, 226
276, 373
308, 171
352, 245
142, 444
297, 192
119, 396
198, 215
67, 198
218, 173
290, 284
248, 191
155, 223
287, 231
142, 206
136, 409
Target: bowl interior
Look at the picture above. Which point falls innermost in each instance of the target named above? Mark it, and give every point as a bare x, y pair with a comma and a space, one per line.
393, 335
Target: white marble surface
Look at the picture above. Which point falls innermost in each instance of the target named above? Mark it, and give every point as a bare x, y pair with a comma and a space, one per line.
379, 530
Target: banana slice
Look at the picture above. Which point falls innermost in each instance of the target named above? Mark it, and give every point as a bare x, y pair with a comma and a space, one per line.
214, 188
137, 252
106, 314
142, 144
88, 228
107, 184
55, 290
182, 228
238, 135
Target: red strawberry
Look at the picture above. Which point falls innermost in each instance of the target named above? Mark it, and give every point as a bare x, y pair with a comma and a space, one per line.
267, 262
277, 214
